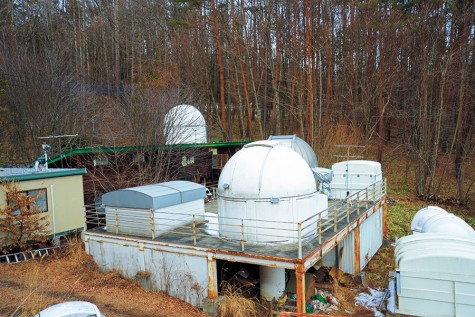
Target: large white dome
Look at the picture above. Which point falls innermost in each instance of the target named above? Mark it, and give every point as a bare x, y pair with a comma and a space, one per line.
266, 169
184, 124
268, 189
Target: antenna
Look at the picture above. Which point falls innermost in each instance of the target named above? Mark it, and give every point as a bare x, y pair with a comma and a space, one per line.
55, 137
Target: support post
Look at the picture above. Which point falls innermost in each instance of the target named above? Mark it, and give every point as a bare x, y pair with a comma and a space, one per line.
357, 255
212, 278
385, 218
300, 285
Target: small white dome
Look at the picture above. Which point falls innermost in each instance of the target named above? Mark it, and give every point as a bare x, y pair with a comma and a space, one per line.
184, 124
266, 169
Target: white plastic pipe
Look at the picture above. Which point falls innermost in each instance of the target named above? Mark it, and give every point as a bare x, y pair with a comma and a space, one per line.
53, 211
272, 280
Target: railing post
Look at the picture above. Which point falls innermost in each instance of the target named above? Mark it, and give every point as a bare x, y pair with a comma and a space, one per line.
194, 230
152, 218
242, 234
320, 228
116, 222
335, 219
367, 198
300, 239
358, 203
348, 211
374, 193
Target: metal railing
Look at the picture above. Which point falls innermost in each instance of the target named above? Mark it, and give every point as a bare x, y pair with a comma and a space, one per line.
291, 239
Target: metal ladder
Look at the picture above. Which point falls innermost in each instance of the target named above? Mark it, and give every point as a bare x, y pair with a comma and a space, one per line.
27, 255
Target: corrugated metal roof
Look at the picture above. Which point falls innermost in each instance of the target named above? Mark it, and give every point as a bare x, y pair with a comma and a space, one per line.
155, 196
26, 174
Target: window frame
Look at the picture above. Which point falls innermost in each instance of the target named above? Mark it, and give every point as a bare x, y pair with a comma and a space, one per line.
16, 212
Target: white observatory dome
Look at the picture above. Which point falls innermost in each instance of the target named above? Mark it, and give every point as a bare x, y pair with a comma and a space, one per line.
184, 124
270, 188
299, 146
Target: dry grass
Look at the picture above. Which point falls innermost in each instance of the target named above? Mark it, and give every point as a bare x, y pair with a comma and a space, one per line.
31, 286
346, 301
232, 303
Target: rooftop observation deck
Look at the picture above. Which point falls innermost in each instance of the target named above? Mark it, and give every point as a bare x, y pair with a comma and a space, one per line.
310, 239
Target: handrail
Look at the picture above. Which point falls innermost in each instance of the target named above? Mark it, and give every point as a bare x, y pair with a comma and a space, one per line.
245, 232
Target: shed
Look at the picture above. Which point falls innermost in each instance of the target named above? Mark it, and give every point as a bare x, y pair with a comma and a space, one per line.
62, 195
153, 209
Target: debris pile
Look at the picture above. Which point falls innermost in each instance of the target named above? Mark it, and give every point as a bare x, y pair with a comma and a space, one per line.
330, 291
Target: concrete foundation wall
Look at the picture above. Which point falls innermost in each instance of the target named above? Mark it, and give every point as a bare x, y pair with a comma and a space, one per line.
183, 276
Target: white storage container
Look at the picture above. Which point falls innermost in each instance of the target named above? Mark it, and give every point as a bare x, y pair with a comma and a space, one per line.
349, 177
151, 210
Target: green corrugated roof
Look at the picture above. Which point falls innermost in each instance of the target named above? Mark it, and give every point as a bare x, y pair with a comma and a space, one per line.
27, 174
111, 149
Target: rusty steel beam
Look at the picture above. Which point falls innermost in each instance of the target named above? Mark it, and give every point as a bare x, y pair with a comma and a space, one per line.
385, 217
265, 257
357, 263
212, 278
300, 286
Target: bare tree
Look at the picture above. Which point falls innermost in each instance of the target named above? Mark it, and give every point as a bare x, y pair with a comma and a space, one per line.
22, 222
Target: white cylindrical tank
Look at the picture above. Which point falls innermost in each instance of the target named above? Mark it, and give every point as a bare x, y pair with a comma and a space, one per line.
422, 215
264, 190
184, 124
272, 282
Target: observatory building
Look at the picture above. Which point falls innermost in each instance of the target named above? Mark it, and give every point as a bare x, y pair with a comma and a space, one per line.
272, 188
269, 218
184, 124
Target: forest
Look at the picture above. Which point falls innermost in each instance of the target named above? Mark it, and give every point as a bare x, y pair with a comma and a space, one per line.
395, 75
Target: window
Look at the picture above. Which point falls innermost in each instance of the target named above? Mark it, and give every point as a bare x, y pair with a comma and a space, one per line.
41, 202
